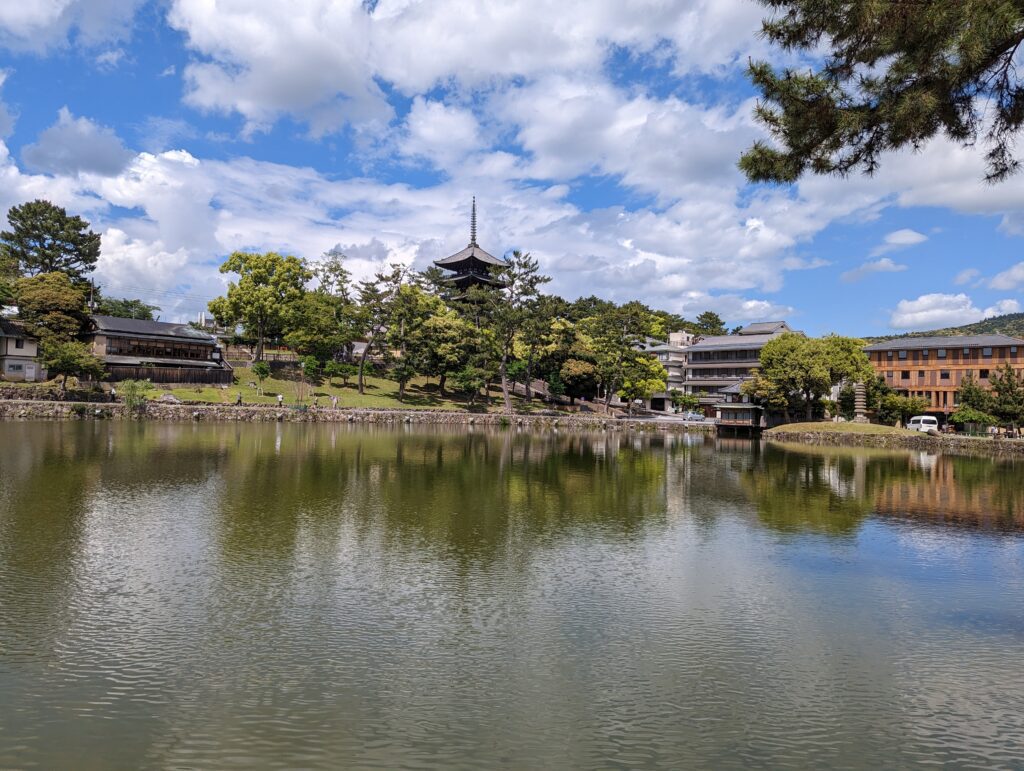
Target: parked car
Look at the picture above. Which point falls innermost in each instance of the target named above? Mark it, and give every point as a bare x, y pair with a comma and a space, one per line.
924, 423
695, 416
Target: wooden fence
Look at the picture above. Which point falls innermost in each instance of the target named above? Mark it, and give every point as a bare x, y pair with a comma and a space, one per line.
172, 374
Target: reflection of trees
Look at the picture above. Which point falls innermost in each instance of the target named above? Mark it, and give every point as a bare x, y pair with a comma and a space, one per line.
45, 484
831, 490
461, 492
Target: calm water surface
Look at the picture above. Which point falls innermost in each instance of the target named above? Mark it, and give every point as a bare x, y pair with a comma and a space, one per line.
294, 596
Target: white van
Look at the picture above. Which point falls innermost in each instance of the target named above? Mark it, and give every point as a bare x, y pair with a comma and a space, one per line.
923, 423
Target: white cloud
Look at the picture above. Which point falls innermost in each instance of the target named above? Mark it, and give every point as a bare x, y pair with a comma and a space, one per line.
76, 145
6, 117
1010, 278
898, 239
168, 71
966, 276
439, 133
39, 24
883, 265
937, 310
109, 60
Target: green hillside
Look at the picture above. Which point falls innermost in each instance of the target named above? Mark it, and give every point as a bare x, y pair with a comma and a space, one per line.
1010, 324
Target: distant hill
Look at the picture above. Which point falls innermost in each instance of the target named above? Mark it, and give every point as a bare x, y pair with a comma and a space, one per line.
1010, 324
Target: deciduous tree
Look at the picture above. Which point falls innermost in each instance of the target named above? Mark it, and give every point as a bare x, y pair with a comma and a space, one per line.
52, 308
268, 285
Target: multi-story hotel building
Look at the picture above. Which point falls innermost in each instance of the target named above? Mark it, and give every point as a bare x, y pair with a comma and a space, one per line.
933, 367
673, 356
716, 363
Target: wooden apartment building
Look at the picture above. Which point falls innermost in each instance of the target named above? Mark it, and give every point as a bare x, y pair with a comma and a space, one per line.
933, 367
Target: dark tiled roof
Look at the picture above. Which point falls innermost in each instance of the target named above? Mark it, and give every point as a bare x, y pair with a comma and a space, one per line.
471, 252
765, 328
731, 341
947, 341
10, 328
115, 325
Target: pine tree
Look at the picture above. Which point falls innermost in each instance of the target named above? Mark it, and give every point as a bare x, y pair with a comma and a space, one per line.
894, 75
44, 239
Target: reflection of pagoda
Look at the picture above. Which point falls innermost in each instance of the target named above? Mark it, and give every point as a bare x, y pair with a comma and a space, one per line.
472, 266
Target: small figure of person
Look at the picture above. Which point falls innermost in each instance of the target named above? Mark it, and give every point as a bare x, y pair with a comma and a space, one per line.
334, 402
113, 394
280, 400
238, 401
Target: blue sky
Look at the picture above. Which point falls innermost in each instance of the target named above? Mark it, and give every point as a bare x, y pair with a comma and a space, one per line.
600, 136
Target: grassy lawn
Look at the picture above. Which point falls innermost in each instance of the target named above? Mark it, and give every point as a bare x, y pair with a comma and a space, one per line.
421, 393
839, 428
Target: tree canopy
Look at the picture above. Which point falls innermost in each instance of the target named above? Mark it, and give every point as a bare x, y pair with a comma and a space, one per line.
893, 75
267, 285
44, 239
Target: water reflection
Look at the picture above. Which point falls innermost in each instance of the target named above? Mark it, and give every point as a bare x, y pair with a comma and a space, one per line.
315, 596
832, 490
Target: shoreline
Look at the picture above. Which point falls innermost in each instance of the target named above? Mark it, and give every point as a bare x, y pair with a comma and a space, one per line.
949, 444
38, 410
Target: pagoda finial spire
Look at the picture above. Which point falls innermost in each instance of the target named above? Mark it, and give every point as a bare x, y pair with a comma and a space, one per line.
472, 224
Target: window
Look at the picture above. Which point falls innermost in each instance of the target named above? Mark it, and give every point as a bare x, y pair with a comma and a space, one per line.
920, 374
941, 353
11, 367
967, 353
1013, 350
903, 354
905, 374
888, 354
986, 352
889, 374
924, 355
983, 374
19, 343
944, 374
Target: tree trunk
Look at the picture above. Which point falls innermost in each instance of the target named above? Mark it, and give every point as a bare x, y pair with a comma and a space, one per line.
504, 383
362, 362
401, 390
528, 392
258, 355
440, 383
809, 410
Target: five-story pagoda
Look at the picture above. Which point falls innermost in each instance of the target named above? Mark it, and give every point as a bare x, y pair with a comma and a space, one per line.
472, 266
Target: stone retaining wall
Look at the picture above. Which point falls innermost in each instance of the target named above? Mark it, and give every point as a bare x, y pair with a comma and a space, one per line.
944, 443
42, 410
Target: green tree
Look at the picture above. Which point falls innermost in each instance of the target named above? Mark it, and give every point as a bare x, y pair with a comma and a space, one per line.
402, 371
615, 337
444, 345
644, 376
684, 402
376, 302
892, 75
902, 408
268, 286
310, 367
261, 371
133, 393
794, 364
508, 308
970, 394
44, 239
52, 308
1008, 396
967, 416
124, 308
470, 380
579, 377
710, 324
70, 358
321, 325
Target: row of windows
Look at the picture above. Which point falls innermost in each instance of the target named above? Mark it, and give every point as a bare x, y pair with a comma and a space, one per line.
724, 355
946, 353
944, 374
156, 349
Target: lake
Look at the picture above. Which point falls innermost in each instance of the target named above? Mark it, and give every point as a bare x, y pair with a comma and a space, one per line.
270, 596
